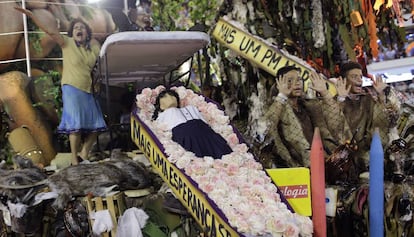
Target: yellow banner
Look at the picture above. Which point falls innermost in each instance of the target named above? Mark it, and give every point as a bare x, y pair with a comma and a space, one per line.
184, 189
294, 183
255, 49
259, 52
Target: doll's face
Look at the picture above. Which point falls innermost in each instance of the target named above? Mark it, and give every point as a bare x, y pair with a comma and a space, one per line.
168, 101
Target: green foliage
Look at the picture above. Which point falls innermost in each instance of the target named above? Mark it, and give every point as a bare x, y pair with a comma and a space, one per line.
34, 38
169, 15
204, 11
336, 15
6, 152
164, 12
53, 92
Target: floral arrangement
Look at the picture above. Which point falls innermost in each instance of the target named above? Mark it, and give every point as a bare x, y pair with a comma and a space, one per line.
255, 207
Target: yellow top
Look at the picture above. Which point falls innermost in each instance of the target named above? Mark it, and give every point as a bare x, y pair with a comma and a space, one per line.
78, 63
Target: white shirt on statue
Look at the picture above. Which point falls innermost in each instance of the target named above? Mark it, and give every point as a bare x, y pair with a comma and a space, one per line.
173, 117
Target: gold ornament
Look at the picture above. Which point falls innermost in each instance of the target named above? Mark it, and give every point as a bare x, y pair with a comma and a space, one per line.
356, 18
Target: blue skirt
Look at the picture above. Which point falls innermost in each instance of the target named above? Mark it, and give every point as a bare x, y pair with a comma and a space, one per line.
197, 136
81, 112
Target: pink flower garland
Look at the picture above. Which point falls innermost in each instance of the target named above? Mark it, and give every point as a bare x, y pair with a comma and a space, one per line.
254, 206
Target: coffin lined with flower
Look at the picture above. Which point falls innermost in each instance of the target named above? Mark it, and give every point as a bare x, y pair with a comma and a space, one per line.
231, 196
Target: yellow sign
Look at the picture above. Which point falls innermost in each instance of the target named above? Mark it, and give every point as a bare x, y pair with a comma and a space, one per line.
183, 187
294, 184
259, 52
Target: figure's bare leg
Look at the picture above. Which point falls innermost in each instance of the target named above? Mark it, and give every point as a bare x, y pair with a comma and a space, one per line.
87, 145
75, 141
